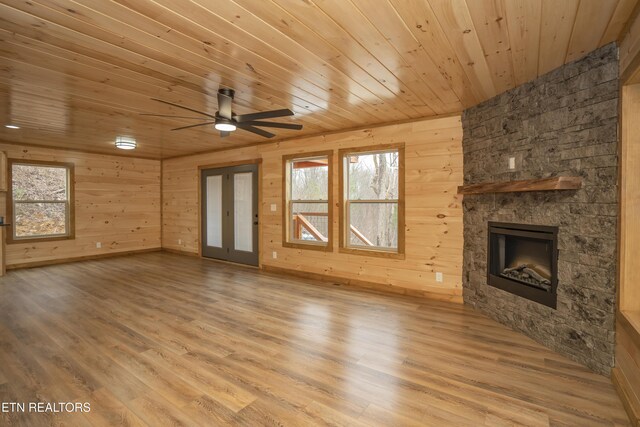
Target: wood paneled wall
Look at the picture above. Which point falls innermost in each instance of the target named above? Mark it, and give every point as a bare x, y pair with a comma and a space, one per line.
433, 209
626, 374
630, 51
629, 243
117, 203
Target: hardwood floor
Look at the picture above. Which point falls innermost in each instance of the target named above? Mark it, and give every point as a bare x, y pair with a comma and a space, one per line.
164, 339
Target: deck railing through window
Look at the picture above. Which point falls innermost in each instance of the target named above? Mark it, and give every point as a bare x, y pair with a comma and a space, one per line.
309, 220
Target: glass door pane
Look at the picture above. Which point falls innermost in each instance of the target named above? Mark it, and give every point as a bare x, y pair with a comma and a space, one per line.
214, 211
229, 213
243, 211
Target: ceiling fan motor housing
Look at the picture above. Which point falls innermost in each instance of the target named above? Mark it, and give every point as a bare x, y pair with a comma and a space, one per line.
227, 92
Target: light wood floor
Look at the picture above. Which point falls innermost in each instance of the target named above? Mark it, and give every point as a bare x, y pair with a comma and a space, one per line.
163, 339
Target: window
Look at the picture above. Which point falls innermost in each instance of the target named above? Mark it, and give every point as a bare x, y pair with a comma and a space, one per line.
307, 197
372, 208
41, 197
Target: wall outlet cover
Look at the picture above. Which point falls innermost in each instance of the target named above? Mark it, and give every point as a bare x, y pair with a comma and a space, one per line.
274, 207
438, 277
512, 163
275, 255
98, 245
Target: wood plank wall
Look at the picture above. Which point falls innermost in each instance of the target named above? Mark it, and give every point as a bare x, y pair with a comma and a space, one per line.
630, 49
117, 203
629, 292
626, 374
433, 209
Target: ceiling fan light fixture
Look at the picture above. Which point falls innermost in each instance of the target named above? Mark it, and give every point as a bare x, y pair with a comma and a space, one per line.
226, 122
225, 126
125, 143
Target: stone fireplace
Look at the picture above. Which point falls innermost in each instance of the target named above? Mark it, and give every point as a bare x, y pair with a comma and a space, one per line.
523, 260
563, 124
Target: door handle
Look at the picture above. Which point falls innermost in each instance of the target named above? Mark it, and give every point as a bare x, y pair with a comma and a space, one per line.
255, 223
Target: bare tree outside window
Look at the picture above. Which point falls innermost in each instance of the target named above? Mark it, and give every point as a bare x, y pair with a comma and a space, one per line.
40, 200
371, 199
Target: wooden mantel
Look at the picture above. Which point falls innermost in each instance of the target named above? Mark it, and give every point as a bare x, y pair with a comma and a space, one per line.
542, 184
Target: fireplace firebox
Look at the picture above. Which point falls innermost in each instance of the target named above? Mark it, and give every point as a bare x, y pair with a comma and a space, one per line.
523, 260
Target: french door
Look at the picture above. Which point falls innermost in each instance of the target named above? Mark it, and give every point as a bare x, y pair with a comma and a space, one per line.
230, 213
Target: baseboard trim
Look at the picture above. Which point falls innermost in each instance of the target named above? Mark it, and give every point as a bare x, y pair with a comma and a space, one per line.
379, 287
80, 258
180, 252
629, 401
631, 330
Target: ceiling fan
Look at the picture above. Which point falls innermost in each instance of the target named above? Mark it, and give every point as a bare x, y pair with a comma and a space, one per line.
226, 122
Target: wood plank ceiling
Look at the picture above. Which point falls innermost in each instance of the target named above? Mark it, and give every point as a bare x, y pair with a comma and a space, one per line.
77, 74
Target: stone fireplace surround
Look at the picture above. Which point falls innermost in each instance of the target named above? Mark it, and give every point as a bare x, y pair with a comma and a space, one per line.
564, 123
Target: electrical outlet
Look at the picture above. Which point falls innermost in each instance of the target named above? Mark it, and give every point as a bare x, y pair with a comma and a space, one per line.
275, 255
438, 277
512, 163
274, 207
98, 245
179, 241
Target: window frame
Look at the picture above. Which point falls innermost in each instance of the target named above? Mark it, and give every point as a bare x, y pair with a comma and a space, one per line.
286, 202
69, 203
344, 246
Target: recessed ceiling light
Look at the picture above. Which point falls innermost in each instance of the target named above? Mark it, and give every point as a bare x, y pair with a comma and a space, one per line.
125, 143
12, 127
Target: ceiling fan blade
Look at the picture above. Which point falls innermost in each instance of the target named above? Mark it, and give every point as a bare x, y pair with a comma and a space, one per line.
192, 126
274, 125
224, 134
173, 117
224, 105
255, 130
263, 115
184, 108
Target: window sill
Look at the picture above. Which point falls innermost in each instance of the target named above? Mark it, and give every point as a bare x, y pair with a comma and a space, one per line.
11, 241
321, 248
373, 253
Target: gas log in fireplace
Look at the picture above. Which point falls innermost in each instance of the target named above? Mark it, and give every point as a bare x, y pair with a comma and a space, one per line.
523, 260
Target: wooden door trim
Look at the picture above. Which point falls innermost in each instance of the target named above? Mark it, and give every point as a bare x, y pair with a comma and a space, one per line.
229, 164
